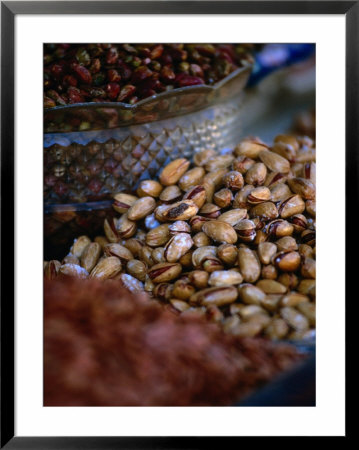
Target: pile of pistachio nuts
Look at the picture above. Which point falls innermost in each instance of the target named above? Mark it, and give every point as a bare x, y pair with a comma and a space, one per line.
230, 236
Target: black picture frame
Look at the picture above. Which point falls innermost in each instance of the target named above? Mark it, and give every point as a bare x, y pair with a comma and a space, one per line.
9, 9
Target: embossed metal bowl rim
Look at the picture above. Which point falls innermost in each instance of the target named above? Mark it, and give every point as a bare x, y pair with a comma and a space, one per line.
50, 208
201, 89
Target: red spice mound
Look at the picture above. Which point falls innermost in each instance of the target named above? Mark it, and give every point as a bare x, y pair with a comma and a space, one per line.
104, 346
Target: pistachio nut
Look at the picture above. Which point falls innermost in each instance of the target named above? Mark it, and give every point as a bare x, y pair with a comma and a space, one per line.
73, 270
219, 295
291, 206
307, 287
309, 170
271, 287
171, 194
289, 140
284, 150
269, 272
180, 226
177, 246
246, 230
242, 164
266, 250
275, 179
90, 256
287, 261
274, 162
293, 299
52, 269
191, 178
256, 175
233, 180
286, 243
79, 246
106, 268
199, 278
150, 188
183, 290
259, 194
197, 194
225, 278
210, 211
265, 211
299, 222
289, 279
277, 329
201, 239
141, 208
158, 236
240, 199
120, 251
294, 318
279, 192
183, 210
310, 207
164, 272
249, 265
271, 302
214, 177
71, 259
134, 245
250, 147
179, 305
137, 269
227, 253
110, 229
131, 283
173, 171
250, 294
233, 216
219, 162
202, 157
308, 237
279, 228
163, 291
122, 202
303, 187
220, 231
158, 255
102, 241
308, 309
308, 268
223, 198
212, 264
196, 223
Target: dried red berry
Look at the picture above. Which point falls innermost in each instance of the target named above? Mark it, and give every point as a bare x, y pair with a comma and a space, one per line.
49, 102
140, 74
111, 55
95, 66
113, 76
124, 70
112, 89
74, 95
82, 73
57, 71
167, 74
126, 92
183, 80
156, 52
70, 80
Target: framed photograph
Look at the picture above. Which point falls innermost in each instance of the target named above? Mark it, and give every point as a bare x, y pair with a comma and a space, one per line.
163, 284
